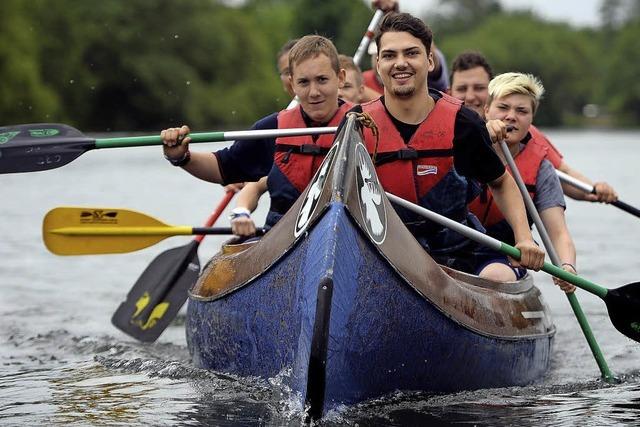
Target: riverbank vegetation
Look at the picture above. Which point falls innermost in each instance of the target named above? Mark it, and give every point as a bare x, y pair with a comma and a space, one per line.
142, 65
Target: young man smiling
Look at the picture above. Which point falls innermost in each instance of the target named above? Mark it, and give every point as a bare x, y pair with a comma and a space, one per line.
470, 76
429, 145
315, 78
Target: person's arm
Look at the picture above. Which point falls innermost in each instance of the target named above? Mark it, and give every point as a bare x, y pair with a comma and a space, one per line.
385, 5
509, 201
604, 192
176, 149
554, 222
246, 202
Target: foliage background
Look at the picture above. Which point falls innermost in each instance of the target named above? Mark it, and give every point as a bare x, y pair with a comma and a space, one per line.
143, 65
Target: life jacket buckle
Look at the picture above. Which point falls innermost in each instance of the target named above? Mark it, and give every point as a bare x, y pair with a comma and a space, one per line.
310, 149
407, 154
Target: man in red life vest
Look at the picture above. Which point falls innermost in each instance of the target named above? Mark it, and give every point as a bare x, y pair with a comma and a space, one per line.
431, 149
291, 162
470, 76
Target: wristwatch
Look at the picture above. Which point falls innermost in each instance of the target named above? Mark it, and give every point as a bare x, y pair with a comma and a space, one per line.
238, 212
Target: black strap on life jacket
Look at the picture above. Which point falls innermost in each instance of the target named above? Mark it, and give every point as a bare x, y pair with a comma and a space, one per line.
306, 149
411, 154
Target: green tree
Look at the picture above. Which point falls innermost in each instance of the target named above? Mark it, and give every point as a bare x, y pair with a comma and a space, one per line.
622, 82
25, 95
563, 58
342, 21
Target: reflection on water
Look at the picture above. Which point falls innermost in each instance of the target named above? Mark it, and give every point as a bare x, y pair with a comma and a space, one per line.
61, 362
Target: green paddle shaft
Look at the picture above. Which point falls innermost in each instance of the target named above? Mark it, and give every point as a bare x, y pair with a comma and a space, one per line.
140, 141
497, 245
553, 255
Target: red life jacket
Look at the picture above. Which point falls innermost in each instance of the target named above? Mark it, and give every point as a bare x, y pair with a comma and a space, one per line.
411, 170
371, 81
299, 157
553, 155
423, 172
528, 162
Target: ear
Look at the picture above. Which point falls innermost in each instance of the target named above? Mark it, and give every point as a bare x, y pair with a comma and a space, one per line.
432, 64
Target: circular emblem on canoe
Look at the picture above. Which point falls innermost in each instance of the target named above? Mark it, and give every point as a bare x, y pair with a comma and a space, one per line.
313, 194
370, 194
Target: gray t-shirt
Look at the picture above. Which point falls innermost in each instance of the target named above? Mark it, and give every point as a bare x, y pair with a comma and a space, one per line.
548, 189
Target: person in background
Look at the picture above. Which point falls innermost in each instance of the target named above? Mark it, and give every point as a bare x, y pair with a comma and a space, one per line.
353, 89
282, 59
470, 76
316, 77
413, 122
514, 99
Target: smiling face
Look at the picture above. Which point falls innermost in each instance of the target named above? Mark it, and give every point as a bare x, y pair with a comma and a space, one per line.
472, 87
514, 110
316, 84
403, 64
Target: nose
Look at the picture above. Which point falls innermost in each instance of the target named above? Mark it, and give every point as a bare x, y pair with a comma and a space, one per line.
401, 62
470, 95
314, 90
510, 115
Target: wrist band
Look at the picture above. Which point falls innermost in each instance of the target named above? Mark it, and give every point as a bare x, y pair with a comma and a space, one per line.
239, 212
180, 161
570, 265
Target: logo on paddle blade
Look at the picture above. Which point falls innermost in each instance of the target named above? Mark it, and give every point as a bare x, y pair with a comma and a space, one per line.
98, 216
156, 314
313, 194
7, 136
370, 195
43, 133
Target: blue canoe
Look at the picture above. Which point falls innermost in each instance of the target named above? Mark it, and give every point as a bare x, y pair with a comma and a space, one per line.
343, 302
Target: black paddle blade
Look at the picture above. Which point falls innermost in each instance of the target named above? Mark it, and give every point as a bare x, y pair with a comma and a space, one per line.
624, 309
42, 146
158, 294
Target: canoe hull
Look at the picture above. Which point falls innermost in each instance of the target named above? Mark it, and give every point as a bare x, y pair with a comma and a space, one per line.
382, 335
342, 302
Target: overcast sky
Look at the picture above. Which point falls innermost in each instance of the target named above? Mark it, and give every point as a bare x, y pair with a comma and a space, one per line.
576, 12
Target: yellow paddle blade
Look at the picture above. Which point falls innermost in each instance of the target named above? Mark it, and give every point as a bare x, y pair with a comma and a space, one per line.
82, 231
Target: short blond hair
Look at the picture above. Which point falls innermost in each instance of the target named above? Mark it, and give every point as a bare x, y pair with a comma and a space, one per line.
312, 46
516, 83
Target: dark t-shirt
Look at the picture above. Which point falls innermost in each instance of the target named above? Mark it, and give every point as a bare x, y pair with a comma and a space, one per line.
473, 156
250, 160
